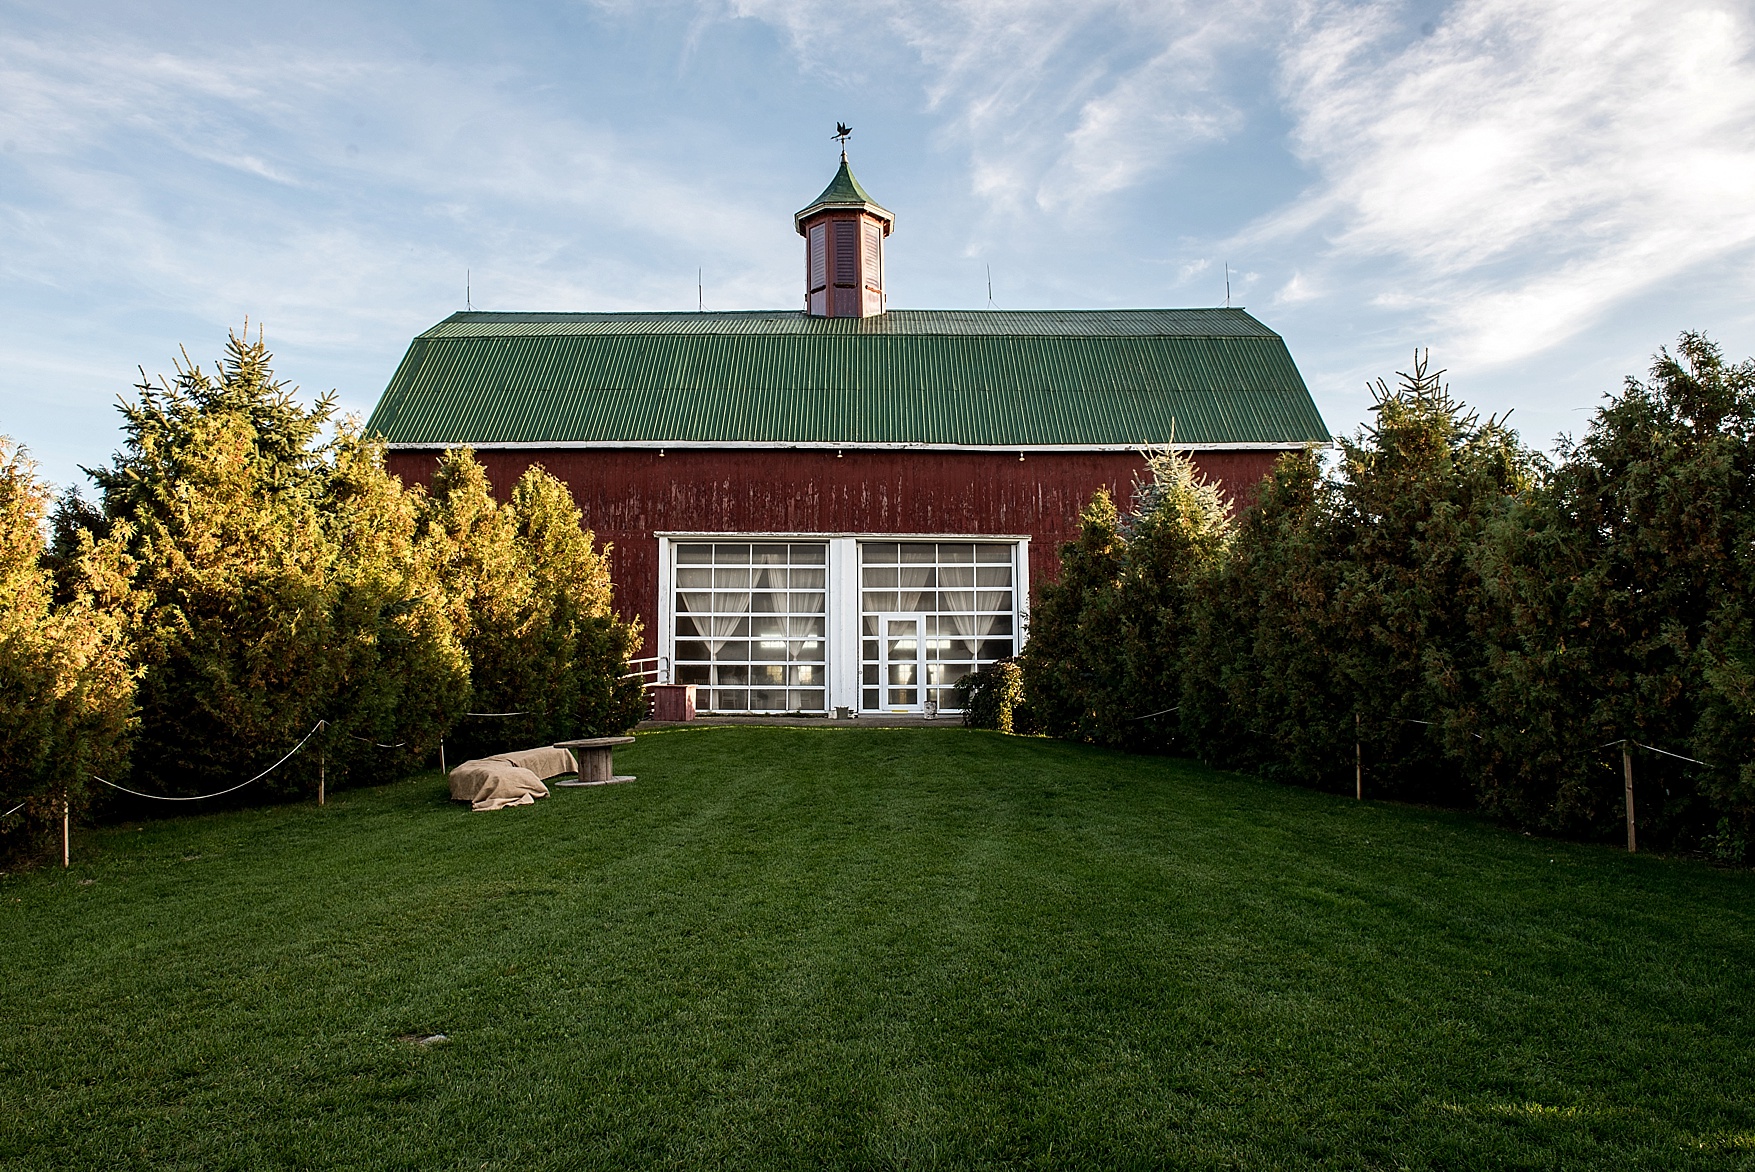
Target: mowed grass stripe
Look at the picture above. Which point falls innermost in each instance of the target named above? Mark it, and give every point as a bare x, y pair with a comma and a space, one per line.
872, 947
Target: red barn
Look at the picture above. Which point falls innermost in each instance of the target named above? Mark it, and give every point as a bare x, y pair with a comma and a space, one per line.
844, 505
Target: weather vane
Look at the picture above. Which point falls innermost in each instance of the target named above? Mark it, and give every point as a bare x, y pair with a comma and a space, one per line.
841, 135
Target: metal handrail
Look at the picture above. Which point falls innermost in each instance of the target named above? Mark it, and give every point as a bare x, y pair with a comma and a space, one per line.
662, 671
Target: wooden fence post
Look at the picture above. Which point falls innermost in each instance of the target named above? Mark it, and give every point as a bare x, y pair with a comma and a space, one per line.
1627, 773
66, 831
1358, 763
442, 755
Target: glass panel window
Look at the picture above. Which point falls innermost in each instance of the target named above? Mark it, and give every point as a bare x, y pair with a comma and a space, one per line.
956, 603
750, 625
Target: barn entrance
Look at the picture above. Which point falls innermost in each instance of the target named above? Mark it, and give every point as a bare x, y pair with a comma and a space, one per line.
808, 623
904, 661
932, 613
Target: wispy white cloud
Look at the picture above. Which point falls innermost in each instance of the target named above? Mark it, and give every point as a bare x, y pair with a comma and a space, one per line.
337, 194
1522, 169
217, 187
1057, 104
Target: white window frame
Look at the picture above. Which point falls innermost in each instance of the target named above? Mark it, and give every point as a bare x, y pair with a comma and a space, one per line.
842, 606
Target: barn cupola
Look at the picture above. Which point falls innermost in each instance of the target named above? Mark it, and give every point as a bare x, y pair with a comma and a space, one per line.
844, 230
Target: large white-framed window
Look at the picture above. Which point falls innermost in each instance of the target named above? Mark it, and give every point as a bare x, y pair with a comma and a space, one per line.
751, 624
932, 612
800, 622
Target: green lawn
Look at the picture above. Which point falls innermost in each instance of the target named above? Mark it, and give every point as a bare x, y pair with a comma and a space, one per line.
874, 947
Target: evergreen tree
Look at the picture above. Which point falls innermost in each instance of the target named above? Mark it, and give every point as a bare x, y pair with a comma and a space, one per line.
1175, 538
279, 584
1260, 679
66, 693
1107, 642
1074, 660
586, 642
1414, 494
1624, 598
405, 677
531, 599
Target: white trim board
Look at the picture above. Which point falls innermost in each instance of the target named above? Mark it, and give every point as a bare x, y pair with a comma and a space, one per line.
827, 534
763, 446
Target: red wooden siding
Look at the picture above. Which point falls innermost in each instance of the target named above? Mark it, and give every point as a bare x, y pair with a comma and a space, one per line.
627, 496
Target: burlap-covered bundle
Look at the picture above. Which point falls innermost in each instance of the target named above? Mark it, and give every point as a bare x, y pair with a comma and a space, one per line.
509, 779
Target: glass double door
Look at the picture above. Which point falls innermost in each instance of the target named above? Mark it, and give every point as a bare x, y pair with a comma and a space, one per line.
902, 643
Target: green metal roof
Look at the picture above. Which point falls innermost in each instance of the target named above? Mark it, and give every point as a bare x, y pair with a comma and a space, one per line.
1093, 378
843, 188
844, 191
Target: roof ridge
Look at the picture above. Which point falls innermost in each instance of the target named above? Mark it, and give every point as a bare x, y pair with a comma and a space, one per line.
971, 323
771, 312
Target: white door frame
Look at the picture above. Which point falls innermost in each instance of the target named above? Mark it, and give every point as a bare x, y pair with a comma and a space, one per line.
918, 618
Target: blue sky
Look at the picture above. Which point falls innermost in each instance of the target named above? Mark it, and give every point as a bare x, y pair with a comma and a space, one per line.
1543, 193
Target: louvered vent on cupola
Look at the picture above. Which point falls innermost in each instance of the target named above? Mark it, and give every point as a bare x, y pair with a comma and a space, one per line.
844, 232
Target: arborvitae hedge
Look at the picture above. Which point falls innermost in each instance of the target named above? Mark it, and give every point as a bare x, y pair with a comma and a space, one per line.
532, 597
1480, 621
251, 570
66, 692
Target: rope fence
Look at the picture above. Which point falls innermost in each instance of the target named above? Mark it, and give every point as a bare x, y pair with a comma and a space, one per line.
1626, 745
66, 805
1655, 749
319, 726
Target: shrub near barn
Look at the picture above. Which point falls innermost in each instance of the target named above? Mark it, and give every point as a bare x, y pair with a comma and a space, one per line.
66, 691
250, 573
278, 586
531, 596
1446, 611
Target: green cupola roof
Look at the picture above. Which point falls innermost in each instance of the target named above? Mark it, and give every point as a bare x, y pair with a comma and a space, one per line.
844, 191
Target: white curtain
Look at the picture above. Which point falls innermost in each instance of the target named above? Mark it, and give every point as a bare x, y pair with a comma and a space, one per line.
721, 627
